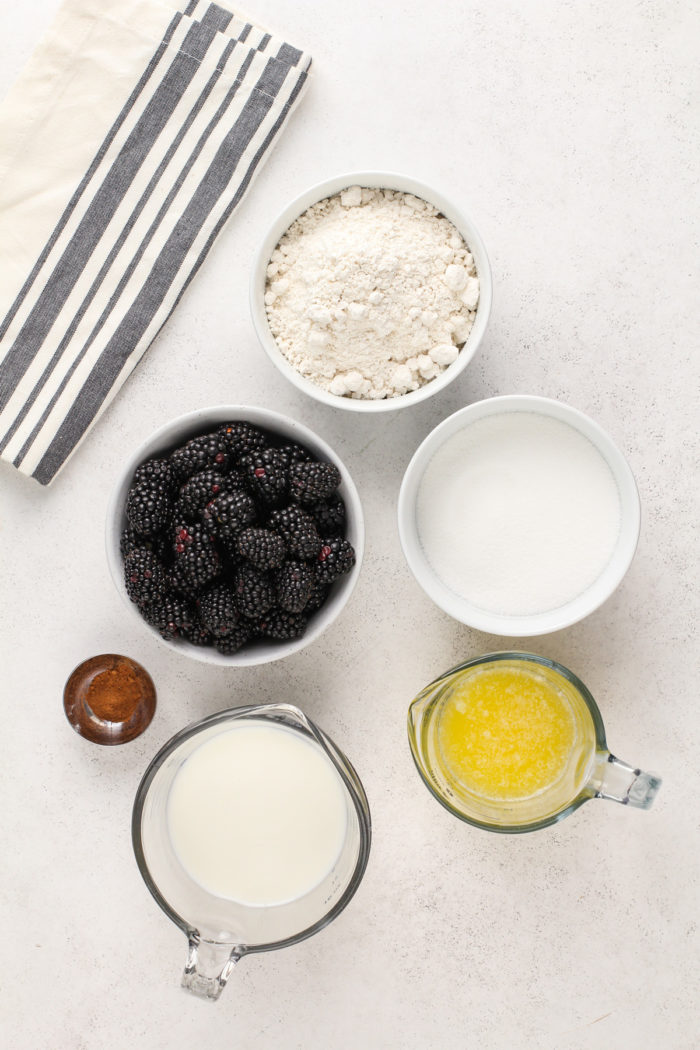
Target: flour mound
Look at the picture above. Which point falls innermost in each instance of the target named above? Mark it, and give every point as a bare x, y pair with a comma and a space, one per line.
371, 293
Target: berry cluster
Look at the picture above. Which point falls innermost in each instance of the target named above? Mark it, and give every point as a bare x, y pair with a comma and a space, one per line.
234, 537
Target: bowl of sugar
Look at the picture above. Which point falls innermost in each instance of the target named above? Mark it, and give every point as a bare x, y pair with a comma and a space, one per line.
518, 515
371, 291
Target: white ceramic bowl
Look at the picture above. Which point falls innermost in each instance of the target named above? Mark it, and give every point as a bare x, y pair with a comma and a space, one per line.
542, 622
176, 433
382, 180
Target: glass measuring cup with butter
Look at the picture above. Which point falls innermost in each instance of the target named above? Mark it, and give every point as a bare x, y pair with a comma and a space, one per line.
252, 831
513, 742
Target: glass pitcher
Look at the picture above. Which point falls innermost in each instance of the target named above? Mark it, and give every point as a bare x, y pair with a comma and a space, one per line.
219, 930
586, 770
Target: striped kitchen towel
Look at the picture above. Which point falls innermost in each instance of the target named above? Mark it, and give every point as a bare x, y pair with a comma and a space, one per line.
127, 142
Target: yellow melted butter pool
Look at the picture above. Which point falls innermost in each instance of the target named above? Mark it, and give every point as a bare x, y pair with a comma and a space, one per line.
506, 733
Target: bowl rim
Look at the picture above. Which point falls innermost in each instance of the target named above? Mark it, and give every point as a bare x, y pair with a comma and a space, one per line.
169, 435
536, 623
376, 180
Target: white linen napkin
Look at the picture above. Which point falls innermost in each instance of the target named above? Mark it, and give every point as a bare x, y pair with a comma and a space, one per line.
125, 145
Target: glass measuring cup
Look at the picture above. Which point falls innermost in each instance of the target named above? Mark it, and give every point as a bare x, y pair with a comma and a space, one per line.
589, 769
219, 930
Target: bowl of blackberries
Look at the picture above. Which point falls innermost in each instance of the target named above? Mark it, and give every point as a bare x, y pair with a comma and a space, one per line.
235, 534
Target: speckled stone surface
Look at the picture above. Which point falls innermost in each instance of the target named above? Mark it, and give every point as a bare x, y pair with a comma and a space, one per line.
566, 131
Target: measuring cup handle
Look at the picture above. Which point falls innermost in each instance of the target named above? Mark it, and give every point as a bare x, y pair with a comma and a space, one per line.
209, 966
620, 782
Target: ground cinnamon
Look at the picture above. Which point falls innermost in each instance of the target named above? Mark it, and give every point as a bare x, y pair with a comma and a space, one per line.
109, 699
114, 694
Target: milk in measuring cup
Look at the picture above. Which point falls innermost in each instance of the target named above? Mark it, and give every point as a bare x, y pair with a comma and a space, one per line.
257, 814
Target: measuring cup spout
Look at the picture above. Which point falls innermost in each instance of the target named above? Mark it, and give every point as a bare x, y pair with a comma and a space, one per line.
209, 966
620, 782
418, 706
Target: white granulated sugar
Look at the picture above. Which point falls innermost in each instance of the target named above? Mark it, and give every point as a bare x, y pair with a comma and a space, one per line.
371, 293
518, 513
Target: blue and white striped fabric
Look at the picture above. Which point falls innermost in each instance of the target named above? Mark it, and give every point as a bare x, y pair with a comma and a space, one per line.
126, 144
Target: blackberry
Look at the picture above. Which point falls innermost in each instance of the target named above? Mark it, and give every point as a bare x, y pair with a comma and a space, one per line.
206, 452
148, 507
261, 547
312, 482
336, 557
201, 489
183, 513
235, 639
318, 595
298, 530
230, 513
330, 516
172, 617
155, 472
294, 582
281, 625
196, 557
217, 610
181, 584
198, 634
295, 453
265, 473
145, 578
254, 592
241, 438
130, 540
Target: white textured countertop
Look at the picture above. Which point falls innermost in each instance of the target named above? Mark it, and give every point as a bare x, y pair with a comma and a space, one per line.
566, 132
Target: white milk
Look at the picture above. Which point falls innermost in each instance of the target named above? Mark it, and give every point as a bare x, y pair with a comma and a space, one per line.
518, 513
257, 814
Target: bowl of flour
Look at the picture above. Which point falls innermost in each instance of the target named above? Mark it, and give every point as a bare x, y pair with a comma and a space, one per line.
518, 515
371, 291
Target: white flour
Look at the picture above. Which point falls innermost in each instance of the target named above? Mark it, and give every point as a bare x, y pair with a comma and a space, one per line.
518, 513
371, 293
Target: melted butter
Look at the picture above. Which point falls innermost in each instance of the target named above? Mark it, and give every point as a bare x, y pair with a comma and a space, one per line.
506, 733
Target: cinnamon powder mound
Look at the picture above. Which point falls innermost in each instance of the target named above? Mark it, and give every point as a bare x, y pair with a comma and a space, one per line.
114, 694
